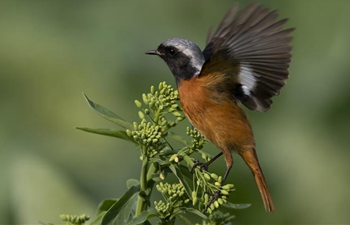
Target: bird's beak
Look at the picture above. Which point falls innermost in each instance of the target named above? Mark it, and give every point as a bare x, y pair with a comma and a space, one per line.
152, 52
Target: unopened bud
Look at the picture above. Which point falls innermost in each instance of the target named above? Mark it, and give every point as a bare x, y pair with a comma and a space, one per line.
138, 104
141, 115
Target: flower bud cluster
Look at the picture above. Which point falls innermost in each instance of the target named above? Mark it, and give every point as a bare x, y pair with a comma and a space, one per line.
223, 193
211, 183
75, 220
198, 139
148, 135
162, 101
154, 107
174, 195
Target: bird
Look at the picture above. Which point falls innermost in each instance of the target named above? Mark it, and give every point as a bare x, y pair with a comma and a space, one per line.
245, 62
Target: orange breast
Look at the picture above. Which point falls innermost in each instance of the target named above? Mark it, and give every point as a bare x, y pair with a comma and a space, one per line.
215, 114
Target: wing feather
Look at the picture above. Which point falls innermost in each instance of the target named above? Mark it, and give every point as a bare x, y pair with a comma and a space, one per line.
256, 42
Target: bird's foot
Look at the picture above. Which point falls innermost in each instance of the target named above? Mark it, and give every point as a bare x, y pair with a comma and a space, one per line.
202, 166
215, 197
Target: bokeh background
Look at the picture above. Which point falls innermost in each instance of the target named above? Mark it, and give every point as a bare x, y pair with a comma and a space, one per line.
51, 51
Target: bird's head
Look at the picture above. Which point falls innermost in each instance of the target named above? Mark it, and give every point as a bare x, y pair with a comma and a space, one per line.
184, 58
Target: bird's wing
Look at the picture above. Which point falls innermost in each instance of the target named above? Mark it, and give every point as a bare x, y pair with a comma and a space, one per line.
254, 42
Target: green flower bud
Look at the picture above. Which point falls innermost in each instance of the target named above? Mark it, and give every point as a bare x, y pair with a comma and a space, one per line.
194, 201
206, 176
212, 207
214, 176
194, 194
138, 104
128, 132
64, 217
177, 114
206, 198
161, 85
179, 119
228, 187
209, 211
220, 201
153, 89
141, 115
220, 179
171, 110
145, 99
216, 204
172, 157
224, 192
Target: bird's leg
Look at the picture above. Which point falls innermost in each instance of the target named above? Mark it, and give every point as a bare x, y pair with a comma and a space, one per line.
228, 169
205, 165
229, 163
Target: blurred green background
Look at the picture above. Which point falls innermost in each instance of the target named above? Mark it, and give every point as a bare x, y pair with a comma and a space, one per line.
51, 51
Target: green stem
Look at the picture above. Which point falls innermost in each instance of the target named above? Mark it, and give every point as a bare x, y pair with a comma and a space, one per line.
156, 116
152, 170
188, 160
142, 200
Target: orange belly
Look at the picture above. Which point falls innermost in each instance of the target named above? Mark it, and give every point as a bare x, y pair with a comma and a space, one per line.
215, 115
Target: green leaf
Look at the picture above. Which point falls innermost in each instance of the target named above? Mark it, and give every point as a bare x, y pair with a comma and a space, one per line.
195, 211
98, 219
236, 206
132, 182
178, 138
186, 171
117, 207
105, 205
109, 115
108, 132
185, 220
155, 177
177, 172
143, 217
159, 161
127, 213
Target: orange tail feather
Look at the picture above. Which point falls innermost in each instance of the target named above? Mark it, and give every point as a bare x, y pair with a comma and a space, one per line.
251, 159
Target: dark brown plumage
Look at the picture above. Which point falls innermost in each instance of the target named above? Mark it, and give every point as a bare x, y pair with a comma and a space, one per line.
256, 42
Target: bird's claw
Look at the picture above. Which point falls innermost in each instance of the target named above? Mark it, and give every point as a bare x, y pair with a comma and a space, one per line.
202, 166
215, 197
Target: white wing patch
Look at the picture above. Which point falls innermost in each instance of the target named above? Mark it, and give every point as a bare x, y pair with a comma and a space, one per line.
247, 79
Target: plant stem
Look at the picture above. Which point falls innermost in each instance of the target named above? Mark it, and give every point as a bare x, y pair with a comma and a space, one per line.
188, 160
142, 201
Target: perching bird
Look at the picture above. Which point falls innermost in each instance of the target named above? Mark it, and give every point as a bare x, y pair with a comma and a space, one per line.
246, 61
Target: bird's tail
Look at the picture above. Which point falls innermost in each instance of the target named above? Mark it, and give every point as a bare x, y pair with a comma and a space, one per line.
251, 159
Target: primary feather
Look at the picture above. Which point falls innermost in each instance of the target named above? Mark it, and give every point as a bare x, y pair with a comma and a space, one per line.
255, 42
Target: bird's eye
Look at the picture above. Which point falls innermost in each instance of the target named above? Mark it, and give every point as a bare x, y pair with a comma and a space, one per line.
171, 51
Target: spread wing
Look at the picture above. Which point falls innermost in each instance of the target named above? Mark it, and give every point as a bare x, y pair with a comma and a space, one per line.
255, 43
